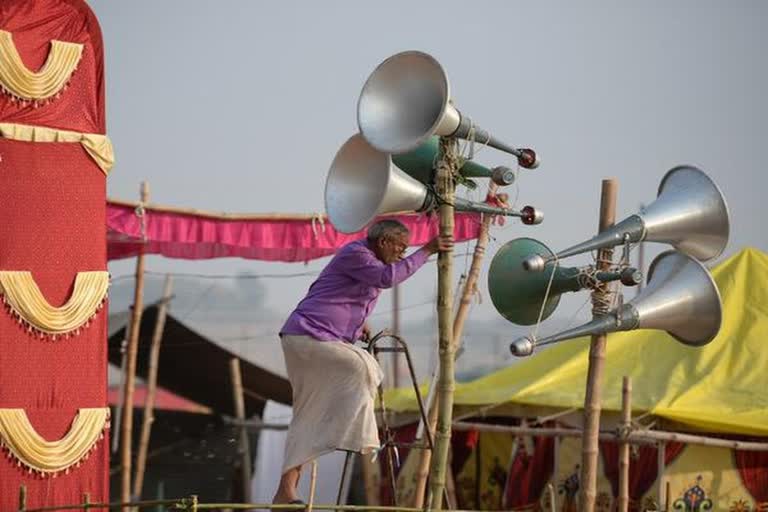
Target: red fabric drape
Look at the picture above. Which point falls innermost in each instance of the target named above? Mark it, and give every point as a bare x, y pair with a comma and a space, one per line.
33, 24
529, 474
643, 469
184, 236
753, 469
52, 206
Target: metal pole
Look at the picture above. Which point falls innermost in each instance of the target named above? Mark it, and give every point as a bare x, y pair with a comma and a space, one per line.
149, 404
130, 367
396, 332
589, 451
447, 168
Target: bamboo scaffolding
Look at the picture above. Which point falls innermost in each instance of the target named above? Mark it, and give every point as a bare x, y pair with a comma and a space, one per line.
633, 437
626, 425
470, 286
447, 167
589, 450
149, 403
130, 368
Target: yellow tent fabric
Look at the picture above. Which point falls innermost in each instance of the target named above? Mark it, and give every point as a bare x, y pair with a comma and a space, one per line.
721, 387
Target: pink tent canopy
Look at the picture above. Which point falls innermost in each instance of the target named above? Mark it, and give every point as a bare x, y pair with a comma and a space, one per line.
192, 234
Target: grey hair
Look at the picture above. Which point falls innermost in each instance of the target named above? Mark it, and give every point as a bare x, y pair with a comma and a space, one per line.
385, 228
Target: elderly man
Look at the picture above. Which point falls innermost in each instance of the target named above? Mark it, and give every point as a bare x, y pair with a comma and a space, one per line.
334, 382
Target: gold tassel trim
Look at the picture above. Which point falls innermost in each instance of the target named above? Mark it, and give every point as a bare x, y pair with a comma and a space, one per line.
25, 85
98, 146
47, 458
27, 303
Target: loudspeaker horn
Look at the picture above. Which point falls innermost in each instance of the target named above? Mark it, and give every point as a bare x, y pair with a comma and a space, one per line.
407, 99
689, 212
363, 183
519, 296
681, 298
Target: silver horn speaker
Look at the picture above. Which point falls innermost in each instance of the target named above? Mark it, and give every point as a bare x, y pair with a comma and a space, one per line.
689, 212
406, 100
363, 183
681, 298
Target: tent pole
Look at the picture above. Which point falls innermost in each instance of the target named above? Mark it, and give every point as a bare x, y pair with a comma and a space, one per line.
447, 167
149, 403
626, 424
130, 366
600, 296
245, 450
661, 495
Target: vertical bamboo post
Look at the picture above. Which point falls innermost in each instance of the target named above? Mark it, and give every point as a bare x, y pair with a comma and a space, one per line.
149, 403
626, 420
667, 494
86, 501
22, 498
556, 468
592, 398
470, 285
446, 170
245, 450
130, 367
661, 465
312, 485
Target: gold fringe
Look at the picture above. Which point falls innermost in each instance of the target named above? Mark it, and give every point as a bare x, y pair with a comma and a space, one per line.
99, 147
50, 457
21, 83
26, 301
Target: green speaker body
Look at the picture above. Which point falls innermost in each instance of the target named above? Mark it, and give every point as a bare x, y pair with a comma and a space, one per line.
518, 294
419, 163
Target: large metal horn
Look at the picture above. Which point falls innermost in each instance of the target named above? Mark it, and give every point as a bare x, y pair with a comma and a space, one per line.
420, 164
406, 100
363, 183
521, 296
681, 298
689, 212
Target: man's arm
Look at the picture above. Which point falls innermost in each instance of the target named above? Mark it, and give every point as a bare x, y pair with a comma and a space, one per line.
363, 265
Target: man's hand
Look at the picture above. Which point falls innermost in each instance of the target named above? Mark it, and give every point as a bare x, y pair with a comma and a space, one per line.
439, 244
366, 335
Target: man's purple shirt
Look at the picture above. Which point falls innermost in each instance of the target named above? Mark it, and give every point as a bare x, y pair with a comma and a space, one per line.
346, 291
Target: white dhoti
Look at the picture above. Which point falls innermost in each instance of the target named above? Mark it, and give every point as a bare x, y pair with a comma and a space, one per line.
334, 387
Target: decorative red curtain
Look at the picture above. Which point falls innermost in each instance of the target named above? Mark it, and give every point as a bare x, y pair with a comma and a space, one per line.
198, 236
529, 474
753, 468
643, 468
52, 206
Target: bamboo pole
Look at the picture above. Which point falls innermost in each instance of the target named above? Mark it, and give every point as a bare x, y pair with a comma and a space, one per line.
149, 403
312, 485
589, 450
22, 498
446, 170
634, 437
661, 463
626, 425
458, 329
130, 368
158, 208
86, 501
245, 450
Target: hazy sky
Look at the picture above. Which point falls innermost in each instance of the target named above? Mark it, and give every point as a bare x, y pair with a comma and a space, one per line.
241, 105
